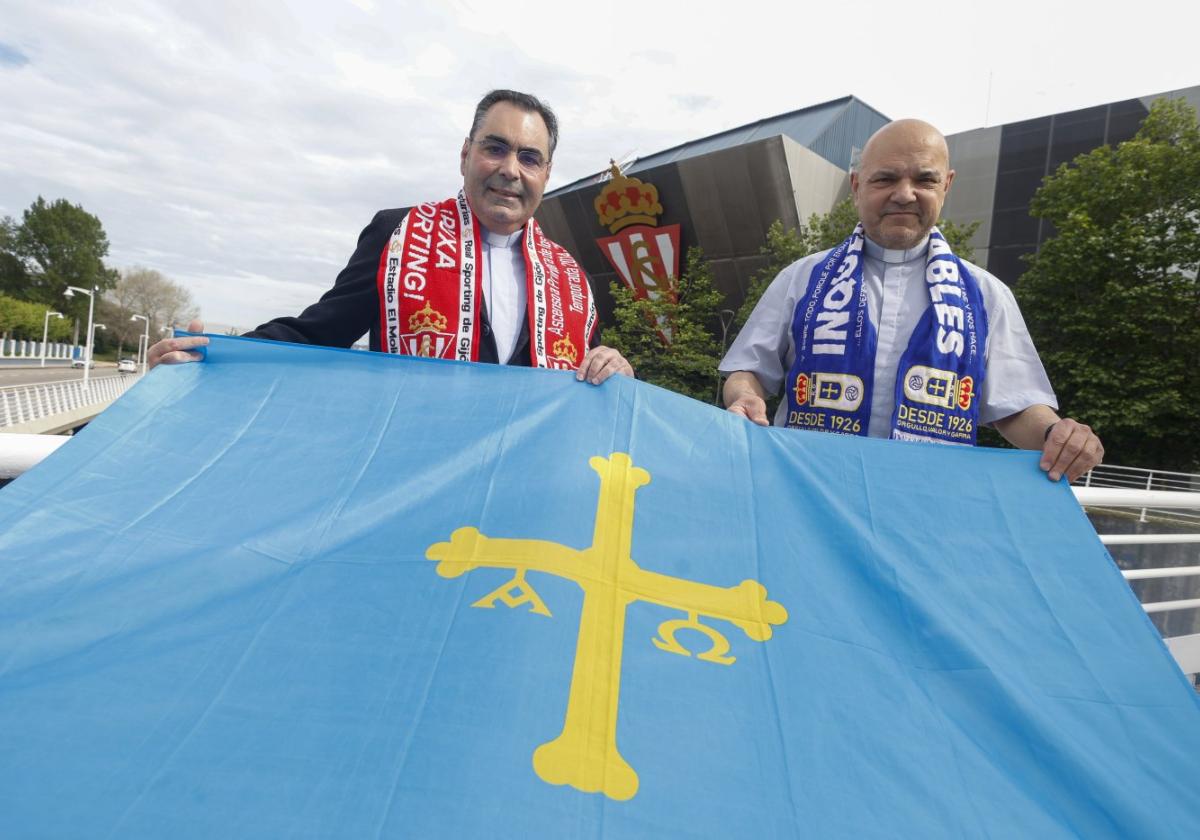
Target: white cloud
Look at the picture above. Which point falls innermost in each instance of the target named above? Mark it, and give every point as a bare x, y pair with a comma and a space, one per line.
239, 147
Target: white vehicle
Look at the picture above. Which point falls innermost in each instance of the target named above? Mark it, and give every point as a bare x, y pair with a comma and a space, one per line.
127, 366
79, 363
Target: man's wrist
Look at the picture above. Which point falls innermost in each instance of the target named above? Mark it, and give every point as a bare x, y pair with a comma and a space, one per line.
1050, 428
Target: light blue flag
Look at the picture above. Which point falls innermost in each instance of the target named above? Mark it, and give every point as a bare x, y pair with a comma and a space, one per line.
297, 592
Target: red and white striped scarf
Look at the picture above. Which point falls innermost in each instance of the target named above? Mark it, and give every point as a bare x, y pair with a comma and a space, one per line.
430, 277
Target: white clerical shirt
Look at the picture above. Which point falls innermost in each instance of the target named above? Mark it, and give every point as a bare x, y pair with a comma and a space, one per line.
504, 289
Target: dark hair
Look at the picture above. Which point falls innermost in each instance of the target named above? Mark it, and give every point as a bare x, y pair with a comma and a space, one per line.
525, 102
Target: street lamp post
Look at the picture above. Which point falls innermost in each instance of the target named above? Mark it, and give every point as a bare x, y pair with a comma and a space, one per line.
87, 359
46, 332
144, 337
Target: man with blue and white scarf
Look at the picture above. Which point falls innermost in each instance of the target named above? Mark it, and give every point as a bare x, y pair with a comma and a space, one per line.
891, 335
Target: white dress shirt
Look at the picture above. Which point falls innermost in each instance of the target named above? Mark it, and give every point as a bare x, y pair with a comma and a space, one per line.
504, 289
896, 299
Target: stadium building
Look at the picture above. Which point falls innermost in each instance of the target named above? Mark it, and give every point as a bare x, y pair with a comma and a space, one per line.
722, 193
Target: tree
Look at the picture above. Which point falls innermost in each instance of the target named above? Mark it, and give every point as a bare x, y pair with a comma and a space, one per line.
823, 231
14, 279
144, 291
958, 237
687, 364
24, 320
1112, 299
56, 244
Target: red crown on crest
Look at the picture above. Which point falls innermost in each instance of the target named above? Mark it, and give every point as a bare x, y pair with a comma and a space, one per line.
427, 319
564, 349
626, 201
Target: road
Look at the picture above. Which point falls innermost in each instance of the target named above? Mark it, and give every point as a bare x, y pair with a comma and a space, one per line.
35, 375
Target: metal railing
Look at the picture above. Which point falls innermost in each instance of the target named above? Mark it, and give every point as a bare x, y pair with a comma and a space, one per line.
1136, 478
1164, 498
26, 403
1169, 504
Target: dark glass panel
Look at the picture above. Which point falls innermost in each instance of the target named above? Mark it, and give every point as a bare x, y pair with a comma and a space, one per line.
1006, 263
1083, 115
1014, 227
1023, 145
1015, 189
1124, 119
1073, 139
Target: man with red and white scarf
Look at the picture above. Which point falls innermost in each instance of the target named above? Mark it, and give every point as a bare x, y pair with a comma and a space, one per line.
471, 277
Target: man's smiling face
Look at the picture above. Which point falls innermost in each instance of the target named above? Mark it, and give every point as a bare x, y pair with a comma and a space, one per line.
505, 167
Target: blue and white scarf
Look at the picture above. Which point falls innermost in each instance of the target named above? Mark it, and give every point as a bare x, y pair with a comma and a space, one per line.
941, 372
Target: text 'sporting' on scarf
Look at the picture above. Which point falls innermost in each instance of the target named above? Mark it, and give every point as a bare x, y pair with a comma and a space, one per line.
429, 290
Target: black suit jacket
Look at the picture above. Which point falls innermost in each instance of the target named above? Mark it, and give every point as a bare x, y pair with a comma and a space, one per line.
351, 307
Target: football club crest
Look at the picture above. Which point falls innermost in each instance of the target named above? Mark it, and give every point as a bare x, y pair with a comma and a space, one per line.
839, 391
563, 355
942, 388
427, 334
644, 255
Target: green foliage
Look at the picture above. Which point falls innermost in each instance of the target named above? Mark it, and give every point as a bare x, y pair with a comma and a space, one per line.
688, 363
24, 320
56, 244
958, 237
1112, 300
822, 232
784, 246
829, 229
14, 279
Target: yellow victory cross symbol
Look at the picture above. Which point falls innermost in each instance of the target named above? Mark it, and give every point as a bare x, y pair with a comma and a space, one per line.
585, 754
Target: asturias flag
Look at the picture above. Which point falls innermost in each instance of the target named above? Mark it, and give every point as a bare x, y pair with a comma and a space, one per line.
297, 592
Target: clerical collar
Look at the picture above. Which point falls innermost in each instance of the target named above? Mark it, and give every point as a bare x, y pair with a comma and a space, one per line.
499, 240
891, 255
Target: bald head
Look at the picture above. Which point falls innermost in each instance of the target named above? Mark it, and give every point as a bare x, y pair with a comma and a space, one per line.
901, 183
903, 135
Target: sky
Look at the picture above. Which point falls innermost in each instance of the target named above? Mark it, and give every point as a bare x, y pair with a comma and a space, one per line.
240, 147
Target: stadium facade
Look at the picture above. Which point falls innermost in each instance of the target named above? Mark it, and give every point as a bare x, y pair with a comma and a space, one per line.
722, 193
